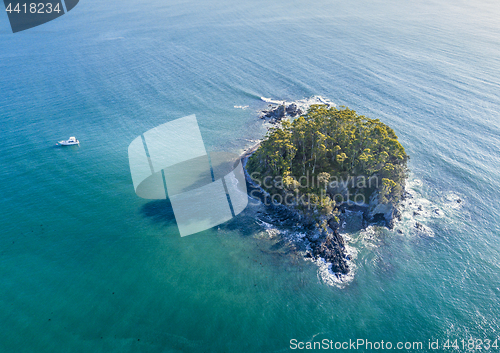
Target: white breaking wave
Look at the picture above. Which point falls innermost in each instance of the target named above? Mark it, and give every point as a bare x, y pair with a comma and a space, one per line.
270, 100
417, 210
303, 104
325, 274
270, 231
367, 237
452, 201
417, 213
241, 106
330, 278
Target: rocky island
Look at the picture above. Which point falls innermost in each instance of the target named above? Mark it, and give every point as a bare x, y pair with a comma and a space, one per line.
319, 164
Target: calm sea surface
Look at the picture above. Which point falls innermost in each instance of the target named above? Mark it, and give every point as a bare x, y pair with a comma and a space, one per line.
87, 266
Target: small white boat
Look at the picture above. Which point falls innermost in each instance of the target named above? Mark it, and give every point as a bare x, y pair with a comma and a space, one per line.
72, 141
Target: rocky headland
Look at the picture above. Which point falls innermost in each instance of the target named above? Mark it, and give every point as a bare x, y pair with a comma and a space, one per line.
383, 161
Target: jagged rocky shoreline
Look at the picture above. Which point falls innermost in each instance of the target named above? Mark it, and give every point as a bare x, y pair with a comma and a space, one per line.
329, 245
326, 243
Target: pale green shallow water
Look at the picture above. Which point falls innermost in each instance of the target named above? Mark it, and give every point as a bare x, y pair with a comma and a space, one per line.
87, 266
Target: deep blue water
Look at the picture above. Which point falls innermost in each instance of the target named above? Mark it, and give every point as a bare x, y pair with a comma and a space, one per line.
87, 266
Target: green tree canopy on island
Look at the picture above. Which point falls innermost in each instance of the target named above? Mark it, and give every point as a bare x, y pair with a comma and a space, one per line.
330, 142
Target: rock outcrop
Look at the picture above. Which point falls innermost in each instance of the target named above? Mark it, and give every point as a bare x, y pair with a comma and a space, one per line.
325, 241
277, 112
332, 249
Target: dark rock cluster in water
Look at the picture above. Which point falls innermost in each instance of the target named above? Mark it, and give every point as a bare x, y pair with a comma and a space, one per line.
332, 249
328, 245
277, 112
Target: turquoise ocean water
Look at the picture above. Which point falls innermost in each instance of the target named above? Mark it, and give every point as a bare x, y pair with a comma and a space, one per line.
87, 266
